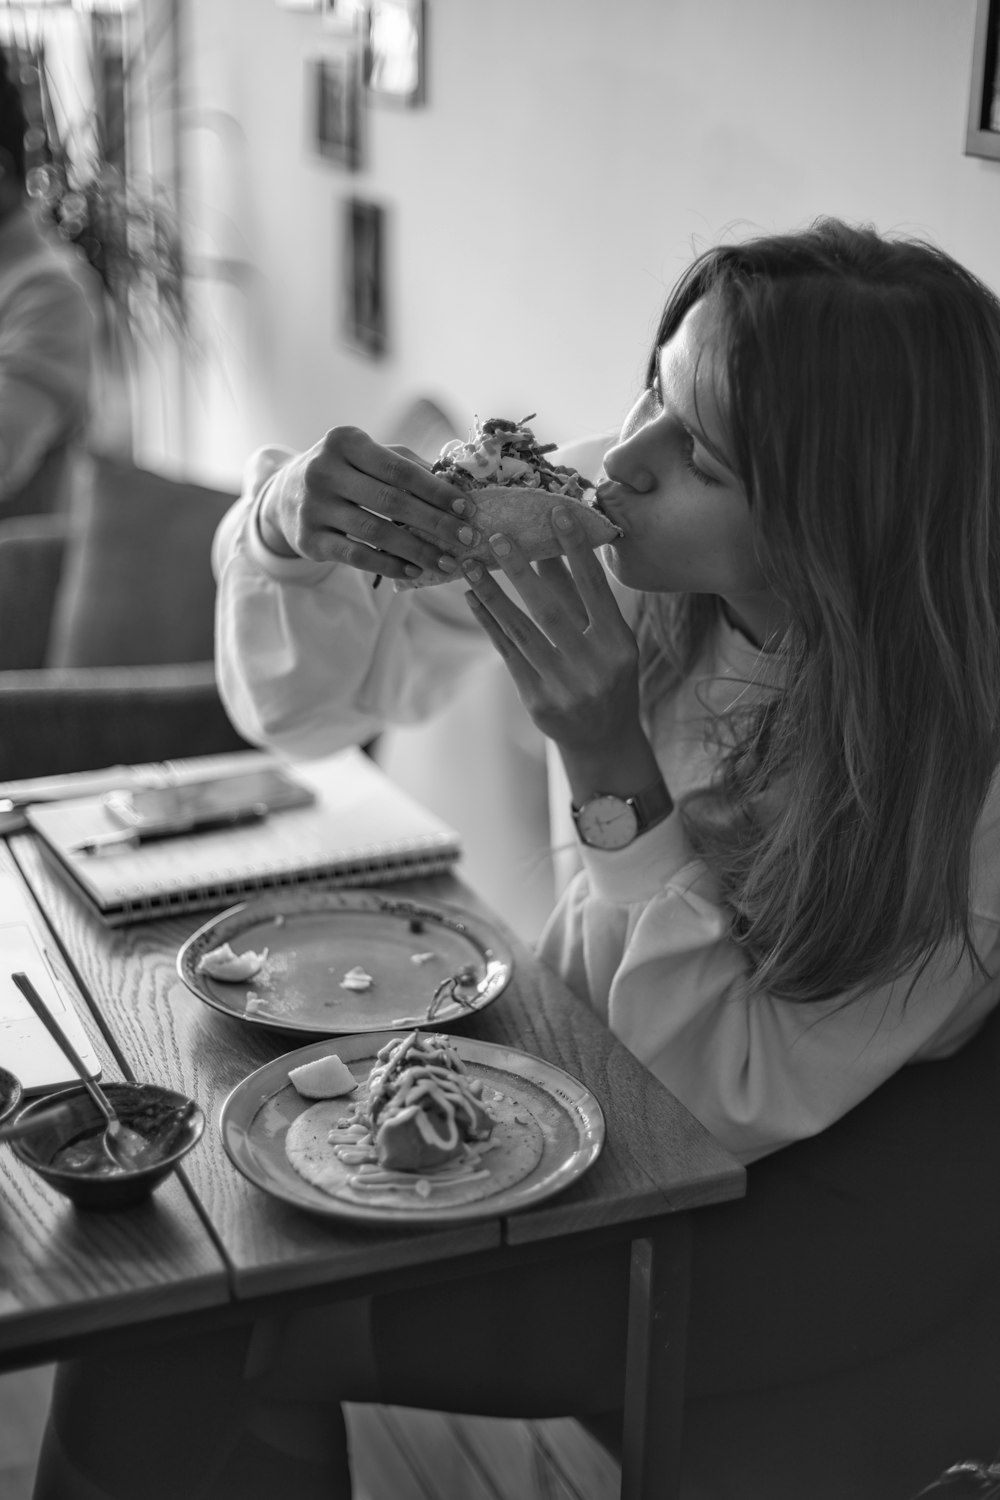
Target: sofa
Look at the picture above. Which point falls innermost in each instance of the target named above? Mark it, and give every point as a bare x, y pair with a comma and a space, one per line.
106, 625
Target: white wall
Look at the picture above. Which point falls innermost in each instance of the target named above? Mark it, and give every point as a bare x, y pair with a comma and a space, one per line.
571, 157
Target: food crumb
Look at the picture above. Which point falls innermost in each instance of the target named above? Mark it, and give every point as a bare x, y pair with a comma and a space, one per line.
356, 979
421, 958
422, 1188
234, 968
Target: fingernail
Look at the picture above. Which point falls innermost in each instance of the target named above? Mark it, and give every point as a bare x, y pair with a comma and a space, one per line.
447, 564
411, 571
562, 519
472, 570
500, 544
467, 536
461, 508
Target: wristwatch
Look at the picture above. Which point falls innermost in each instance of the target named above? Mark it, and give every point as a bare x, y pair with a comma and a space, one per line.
606, 821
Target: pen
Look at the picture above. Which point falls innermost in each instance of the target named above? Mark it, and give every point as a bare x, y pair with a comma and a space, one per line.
131, 838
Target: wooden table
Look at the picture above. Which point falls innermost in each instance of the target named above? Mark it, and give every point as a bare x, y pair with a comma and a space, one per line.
210, 1247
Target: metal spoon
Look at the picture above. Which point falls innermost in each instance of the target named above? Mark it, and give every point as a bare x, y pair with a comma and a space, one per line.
120, 1143
37, 1120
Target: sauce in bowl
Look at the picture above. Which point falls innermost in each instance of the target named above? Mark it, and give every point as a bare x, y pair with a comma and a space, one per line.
159, 1128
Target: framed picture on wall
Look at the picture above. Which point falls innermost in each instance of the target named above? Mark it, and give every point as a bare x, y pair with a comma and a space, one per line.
344, 15
982, 137
364, 322
394, 54
335, 108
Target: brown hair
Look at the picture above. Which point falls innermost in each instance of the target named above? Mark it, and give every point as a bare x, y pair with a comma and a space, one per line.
862, 391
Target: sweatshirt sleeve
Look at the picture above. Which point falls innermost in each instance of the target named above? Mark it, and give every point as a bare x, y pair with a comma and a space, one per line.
309, 656
642, 934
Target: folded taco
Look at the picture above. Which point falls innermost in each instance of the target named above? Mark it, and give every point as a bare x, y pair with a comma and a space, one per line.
416, 1134
515, 487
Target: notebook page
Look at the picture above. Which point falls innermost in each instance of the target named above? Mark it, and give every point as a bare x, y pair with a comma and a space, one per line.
360, 817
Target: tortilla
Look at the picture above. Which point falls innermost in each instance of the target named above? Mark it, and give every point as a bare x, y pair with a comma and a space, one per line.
525, 515
514, 1150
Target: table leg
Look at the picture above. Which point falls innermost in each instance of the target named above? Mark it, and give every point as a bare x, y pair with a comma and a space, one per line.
659, 1284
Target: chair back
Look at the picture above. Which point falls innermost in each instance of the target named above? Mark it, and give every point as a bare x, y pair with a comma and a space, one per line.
32, 553
137, 588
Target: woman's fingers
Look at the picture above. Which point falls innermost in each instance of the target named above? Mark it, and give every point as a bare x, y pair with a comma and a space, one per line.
555, 573
523, 674
549, 599
588, 571
519, 637
379, 510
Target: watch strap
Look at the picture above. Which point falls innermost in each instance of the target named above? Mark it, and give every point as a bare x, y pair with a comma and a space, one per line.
652, 804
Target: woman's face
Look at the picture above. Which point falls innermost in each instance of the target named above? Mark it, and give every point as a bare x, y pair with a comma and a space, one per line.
671, 487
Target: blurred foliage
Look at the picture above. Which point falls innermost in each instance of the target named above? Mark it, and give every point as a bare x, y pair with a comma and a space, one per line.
78, 173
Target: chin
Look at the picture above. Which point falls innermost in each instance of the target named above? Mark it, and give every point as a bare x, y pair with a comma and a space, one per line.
628, 568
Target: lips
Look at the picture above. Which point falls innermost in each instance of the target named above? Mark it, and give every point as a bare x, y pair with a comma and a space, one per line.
607, 492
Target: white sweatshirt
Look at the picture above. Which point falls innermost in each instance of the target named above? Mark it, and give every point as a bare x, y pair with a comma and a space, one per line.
311, 658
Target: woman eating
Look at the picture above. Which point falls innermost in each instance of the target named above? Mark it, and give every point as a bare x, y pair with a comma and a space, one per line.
776, 700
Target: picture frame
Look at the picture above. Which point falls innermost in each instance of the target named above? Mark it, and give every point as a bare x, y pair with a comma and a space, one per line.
335, 96
344, 15
982, 136
395, 51
364, 322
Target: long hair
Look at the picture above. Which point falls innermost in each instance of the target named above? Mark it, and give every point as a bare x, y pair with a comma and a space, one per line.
862, 396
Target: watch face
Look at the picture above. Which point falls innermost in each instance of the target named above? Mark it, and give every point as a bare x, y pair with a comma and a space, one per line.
607, 823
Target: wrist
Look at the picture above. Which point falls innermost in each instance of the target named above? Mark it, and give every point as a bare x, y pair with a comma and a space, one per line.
268, 530
607, 820
623, 771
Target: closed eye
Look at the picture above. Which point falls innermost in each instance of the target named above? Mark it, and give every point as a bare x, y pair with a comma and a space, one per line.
687, 439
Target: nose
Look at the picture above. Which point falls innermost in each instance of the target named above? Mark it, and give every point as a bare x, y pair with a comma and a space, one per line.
623, 465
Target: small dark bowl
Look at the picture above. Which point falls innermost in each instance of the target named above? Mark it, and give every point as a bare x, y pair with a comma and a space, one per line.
10, 1093
141, 1106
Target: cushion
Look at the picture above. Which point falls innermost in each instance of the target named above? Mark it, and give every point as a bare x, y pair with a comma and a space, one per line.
137, 587
32, 552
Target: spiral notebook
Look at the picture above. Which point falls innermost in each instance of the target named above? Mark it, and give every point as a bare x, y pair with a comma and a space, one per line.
362, 829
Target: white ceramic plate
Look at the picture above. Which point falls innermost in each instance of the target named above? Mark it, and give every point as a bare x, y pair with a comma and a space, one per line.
413, 951
259, 1111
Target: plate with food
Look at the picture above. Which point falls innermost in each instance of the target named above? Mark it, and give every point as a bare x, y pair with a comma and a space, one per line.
329, 963
403, 1128
515, 487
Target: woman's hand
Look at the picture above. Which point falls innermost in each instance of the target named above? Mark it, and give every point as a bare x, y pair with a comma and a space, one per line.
573, 658
351, 500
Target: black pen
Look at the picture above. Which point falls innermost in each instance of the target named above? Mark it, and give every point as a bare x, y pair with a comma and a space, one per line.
131, 838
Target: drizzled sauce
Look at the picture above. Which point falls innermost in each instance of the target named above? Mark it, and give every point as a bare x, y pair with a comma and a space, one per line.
423, 1080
